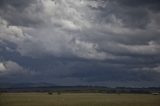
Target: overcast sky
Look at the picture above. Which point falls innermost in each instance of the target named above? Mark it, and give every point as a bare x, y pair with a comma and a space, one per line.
80, 42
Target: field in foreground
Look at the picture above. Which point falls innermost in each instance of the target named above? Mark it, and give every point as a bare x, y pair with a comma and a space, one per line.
78, 99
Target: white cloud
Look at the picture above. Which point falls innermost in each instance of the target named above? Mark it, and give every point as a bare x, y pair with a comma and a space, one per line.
2, 67
157, 69
87, 50
10, 67
10, 33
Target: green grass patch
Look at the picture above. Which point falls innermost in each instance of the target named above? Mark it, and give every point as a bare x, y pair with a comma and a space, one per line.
78, 99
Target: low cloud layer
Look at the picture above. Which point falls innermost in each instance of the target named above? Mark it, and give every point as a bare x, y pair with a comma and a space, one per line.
90, 41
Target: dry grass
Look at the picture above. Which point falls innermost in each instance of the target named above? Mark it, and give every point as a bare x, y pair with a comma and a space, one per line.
84, 99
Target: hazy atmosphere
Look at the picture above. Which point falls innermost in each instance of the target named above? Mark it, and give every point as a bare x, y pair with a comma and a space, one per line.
80, 42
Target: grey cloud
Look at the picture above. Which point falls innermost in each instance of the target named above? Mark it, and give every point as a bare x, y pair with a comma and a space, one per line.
14, 12
72, 20
150, 49
15, 3
124, 32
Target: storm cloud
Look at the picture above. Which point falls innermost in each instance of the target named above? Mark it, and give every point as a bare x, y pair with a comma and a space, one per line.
82, 41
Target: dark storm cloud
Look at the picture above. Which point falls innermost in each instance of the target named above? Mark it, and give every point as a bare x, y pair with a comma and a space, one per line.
87, 71
133, 13
151, 4
138, 10
107, 71
89, 41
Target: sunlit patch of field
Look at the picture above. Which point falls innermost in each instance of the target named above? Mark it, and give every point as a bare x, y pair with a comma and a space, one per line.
78, 99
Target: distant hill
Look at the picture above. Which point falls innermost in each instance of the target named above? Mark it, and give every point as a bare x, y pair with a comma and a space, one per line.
46, 87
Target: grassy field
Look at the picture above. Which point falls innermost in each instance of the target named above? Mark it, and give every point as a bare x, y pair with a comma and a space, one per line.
79, 99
